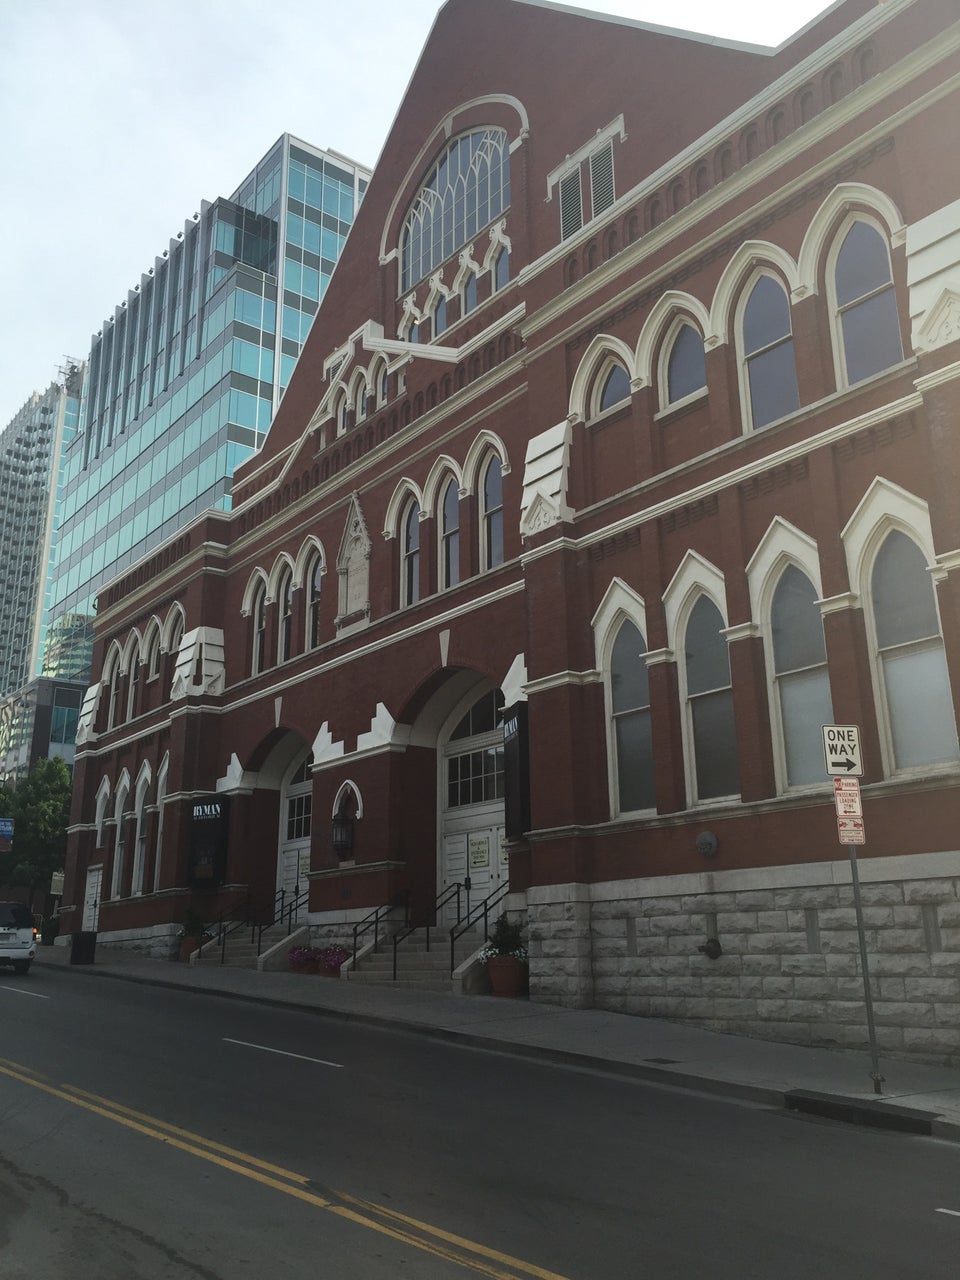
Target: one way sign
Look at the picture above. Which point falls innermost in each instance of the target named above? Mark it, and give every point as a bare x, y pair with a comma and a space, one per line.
841, 750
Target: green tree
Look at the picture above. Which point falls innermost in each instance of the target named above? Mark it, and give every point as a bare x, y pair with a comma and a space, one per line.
40, 808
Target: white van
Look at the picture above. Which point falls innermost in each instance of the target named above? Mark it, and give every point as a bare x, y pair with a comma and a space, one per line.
18, 937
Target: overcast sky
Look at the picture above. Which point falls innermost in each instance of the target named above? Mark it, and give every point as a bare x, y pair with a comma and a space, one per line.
118, 116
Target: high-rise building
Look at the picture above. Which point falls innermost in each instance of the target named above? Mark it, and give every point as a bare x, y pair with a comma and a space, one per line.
183, 379
31, 447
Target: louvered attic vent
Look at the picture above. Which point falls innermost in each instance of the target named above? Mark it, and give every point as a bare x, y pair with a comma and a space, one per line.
601, 179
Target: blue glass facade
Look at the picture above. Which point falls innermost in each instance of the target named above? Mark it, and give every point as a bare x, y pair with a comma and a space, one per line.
184, 378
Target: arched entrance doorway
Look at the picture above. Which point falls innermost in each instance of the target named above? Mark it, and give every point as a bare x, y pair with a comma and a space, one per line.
470, 788
296, 816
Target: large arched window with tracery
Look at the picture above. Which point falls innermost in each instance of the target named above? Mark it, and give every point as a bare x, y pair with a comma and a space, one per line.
467, 188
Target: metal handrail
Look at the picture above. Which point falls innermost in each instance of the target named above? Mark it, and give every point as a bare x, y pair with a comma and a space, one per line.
373, 919
472, 916
258, 920
443, 899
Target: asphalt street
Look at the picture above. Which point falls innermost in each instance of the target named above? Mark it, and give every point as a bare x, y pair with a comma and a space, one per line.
153, 1133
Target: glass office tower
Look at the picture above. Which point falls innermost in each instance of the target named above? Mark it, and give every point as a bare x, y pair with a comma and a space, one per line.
31, 448
183, 379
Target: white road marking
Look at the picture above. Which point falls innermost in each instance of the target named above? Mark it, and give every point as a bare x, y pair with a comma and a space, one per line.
954, 1213
283, 1053
20, 992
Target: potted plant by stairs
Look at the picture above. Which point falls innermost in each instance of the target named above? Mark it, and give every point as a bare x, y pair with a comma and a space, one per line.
506, 959
191, 933
325, 960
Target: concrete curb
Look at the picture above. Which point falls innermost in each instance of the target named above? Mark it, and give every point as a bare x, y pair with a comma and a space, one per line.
838, 1107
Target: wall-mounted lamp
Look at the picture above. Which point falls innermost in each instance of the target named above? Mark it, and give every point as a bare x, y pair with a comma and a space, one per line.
343, 824
711, 948
707, 844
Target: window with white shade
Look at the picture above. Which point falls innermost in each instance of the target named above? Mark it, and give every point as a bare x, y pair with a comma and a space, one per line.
800, 676
770, 371
632, 739
866, 301
709, 703
912, 672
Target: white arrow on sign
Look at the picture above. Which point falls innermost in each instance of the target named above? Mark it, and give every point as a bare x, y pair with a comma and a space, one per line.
841, 750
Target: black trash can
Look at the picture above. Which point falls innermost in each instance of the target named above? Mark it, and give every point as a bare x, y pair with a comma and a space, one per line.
82, 947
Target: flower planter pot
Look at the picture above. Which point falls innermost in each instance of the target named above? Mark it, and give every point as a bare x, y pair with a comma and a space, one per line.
508, 975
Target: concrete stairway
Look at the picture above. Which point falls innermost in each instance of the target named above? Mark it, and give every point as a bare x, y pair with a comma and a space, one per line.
416, 966
241, 952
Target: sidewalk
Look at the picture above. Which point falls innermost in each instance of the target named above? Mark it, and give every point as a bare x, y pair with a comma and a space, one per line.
916, 1098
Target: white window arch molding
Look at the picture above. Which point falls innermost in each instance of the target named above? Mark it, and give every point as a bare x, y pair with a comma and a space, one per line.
378, 374
885, 508
483, 444
410, 318
670, 308
749, 260
310, 548
151, 647
173, 628
141, 795
830, 267
119, 833
845, 198
134, 666
256, 580
405, 491
604, 350
102, 802
498, 240
436, 293
781, 546
341, 405
358, 395
468, 267
443, 469
695, 577
620, 604
348, 788
112, 670
283, 564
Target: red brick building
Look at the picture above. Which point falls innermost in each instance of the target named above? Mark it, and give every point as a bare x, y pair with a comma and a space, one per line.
627, 431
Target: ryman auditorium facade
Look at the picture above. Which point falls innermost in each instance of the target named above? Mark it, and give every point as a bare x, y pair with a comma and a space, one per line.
622, 456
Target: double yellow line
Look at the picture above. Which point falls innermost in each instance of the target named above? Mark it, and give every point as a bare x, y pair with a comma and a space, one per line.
364, 1213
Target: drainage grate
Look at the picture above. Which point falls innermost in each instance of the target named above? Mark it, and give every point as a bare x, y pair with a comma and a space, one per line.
663, 1062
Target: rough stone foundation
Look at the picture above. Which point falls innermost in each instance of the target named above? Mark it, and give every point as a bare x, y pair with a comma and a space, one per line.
790, 966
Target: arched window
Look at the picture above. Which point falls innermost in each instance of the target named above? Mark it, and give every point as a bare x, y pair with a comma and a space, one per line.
709, 697
140, 847
466, 189
450, 536
800, 677
686, 365
153, 654
492, 514
501, 270
770, 369
313, 604
615, 388
630, 711
469, 295
285, 618
869, 326
113, 691
410, 567
161, 795
440, 316
912, 668
133, 684
119, 846
176, 635
259, 614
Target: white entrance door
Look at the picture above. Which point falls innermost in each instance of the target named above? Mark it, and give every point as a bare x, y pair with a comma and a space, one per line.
472, 851
293, 863
91, 899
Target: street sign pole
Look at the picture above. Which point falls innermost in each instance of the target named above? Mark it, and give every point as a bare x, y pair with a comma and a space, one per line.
844, 763
875, 1075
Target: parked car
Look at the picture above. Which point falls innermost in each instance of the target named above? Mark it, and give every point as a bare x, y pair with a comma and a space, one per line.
18, 936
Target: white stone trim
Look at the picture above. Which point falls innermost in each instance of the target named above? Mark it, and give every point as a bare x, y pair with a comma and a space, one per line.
546, 468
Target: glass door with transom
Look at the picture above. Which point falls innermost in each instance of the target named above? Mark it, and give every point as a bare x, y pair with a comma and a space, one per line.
472, 851
294, 862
